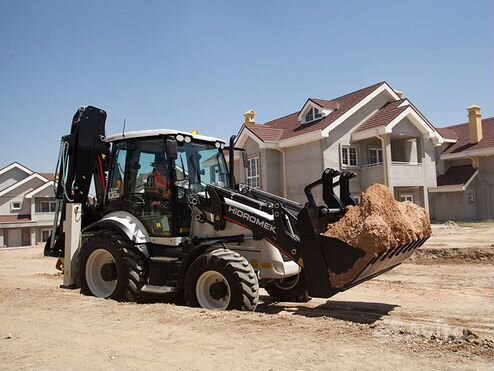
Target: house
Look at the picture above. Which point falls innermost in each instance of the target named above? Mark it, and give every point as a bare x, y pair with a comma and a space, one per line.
465, 170
375, 132
27, 206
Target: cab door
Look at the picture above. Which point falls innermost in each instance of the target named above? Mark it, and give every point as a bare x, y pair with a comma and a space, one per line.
140, 183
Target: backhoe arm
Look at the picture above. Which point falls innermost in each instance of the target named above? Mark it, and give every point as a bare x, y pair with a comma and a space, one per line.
83, 157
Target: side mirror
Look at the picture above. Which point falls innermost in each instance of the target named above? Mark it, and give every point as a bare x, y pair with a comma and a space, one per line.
171, 149
231, 160
245, 159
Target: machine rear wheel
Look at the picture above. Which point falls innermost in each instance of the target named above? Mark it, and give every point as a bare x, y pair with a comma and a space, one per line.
221, 279
109, 267
291, 289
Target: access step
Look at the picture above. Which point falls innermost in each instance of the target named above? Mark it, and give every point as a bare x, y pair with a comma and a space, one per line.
153, 289
163, 259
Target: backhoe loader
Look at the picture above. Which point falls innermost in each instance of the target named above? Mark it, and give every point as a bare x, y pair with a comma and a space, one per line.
168, 217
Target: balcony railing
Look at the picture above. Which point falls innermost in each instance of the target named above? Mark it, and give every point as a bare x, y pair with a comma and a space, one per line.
371, 165
393, 163
402, 173
41, 216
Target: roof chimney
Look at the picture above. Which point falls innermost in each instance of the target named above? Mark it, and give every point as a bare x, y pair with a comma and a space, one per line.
474, 124
250, 118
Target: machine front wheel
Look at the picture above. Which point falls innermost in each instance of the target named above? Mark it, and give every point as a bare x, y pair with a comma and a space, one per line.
109, 267
290, 289
221, 279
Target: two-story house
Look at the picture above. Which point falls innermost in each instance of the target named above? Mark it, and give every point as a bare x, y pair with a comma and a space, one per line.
27, 206
374, 132
465, 169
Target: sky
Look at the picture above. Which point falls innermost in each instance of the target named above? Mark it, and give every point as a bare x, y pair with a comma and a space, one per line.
199, 65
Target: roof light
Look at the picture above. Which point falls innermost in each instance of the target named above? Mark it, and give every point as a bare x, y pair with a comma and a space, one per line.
180, 137
217, 144
188, 139
195, 132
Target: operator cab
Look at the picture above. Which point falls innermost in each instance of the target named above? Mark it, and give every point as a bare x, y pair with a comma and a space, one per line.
152, 173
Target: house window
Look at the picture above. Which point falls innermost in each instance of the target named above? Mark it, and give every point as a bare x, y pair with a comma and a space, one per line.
15, 205
45, 233
312, 115
406, 197
253, 172
375, 156
349, 156
48, 206
45, 207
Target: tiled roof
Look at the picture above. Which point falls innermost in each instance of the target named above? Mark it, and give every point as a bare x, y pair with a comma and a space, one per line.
456, 175
288, 126
266, 133
447, 133
384, 116
48, 176
8, 219
326, 103
463, 143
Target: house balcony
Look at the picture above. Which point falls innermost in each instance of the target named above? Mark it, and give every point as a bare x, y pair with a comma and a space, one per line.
407, 174
43, 210
402, 174
45, 218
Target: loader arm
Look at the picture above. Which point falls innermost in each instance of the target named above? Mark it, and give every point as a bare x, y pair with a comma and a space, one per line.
330, 265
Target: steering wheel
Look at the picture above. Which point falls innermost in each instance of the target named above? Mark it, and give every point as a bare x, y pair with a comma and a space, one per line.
181, 192
138, 199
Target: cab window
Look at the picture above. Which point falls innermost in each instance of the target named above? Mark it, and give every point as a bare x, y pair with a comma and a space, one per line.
141, 178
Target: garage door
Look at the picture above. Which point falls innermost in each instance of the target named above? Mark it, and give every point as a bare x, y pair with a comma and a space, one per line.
14, 237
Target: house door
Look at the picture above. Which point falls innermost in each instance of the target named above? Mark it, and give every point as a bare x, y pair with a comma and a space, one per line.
26, 237
14, 237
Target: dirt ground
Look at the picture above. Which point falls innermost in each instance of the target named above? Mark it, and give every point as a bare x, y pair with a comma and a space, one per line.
416, 317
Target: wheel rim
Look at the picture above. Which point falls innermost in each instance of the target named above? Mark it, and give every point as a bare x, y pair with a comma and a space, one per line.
213, 291
97, 284
287, 283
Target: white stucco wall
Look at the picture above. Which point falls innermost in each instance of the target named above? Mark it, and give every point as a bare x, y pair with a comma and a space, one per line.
272, 171
406, 129
304, 165
17, 194
484, 189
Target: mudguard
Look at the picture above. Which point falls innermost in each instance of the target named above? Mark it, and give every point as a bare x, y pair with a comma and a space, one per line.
124, 221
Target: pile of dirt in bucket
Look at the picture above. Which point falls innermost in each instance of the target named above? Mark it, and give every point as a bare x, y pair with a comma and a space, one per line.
377, 224
380, 222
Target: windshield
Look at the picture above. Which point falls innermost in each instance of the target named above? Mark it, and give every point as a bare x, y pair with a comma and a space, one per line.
201, 164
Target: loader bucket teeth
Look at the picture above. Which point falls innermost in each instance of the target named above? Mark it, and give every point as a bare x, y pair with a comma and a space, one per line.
349, 266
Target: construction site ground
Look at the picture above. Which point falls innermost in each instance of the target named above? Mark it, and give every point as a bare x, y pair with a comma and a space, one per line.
433, 313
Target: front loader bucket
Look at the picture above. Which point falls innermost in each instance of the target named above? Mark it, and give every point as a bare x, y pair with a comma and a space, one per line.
355, 266
332, 266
